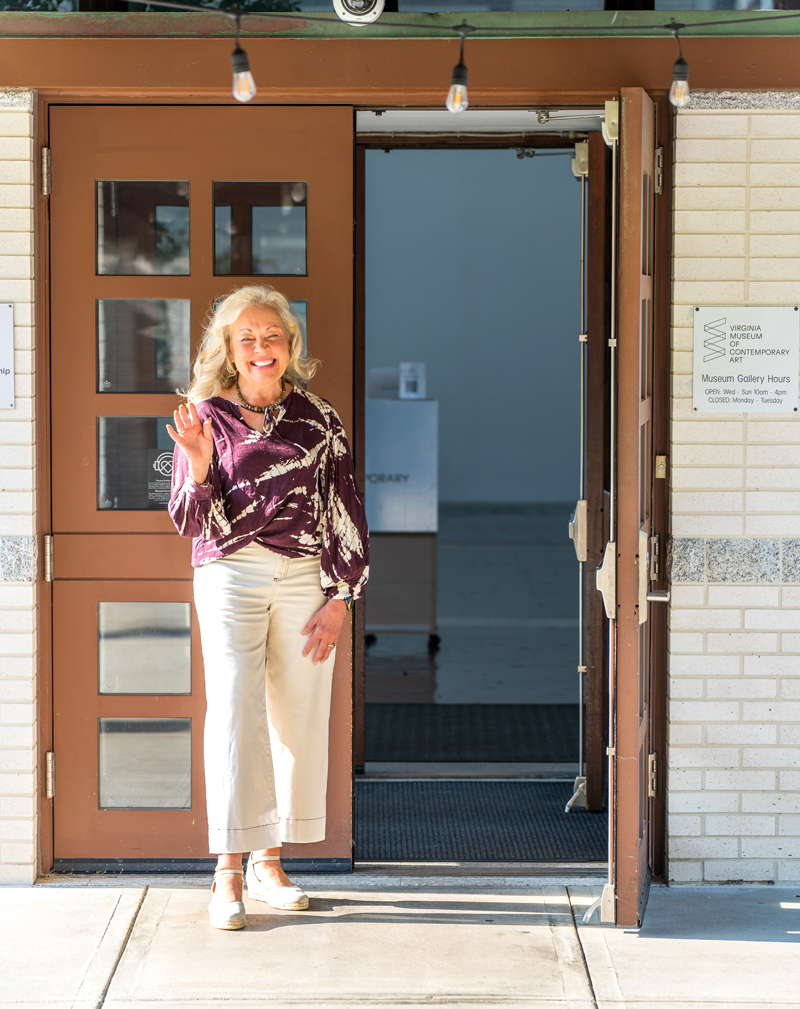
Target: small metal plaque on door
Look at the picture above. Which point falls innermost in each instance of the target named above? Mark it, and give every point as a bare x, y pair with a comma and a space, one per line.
6, 356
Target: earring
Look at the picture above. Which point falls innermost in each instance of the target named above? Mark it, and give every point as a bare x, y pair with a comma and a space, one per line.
230, 367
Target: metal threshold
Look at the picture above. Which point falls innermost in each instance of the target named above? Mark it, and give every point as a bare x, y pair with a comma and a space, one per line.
466, 769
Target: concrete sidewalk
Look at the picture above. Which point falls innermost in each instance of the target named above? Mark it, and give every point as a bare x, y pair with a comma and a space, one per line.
377, 942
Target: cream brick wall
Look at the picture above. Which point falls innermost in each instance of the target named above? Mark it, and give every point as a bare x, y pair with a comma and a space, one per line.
734, 708
18, 786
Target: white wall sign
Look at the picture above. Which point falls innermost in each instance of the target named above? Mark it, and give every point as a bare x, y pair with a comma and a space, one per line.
746, 359
6, 357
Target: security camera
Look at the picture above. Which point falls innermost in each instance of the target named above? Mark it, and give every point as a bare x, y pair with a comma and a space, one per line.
359, 12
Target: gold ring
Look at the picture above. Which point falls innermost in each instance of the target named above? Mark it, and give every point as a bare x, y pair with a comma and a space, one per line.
331, 645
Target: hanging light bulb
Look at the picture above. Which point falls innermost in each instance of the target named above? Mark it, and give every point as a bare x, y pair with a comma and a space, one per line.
679, 92
457, 97
244, 86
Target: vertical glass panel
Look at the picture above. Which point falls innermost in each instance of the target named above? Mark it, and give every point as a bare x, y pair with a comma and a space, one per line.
260, 228
142, 228
145, 763
134, 463
144, 647
300, 309
222, 241
142, 344
643, 472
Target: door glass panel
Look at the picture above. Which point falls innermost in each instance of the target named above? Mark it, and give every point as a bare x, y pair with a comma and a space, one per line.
142, 228
142, 344
645, 471
134, 463
260, 228
144, 648
300, 309
145, 763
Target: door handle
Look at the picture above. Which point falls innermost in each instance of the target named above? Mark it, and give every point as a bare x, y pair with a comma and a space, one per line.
605, 579
658, 596
577, 529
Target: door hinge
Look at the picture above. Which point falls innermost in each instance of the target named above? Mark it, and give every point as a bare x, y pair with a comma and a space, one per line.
580, 163
610, 124
659, 173
655, 558
50, 775
652, 775
605, 580
577, 529
48, 558
46, 174
656, 595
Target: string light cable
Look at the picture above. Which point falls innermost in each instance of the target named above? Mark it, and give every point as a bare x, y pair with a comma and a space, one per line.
244, 87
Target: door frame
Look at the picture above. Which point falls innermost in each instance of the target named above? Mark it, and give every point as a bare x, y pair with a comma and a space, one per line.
394, 141
408, 98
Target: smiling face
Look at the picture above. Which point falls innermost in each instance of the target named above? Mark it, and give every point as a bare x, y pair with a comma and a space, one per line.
259, 347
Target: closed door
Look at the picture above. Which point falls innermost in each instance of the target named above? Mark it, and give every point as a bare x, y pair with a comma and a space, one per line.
156, 212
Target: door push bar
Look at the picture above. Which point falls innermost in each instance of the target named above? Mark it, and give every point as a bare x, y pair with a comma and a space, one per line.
605, 578
577, 529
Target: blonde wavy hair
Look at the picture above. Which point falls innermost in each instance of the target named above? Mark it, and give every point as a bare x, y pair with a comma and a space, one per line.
213, 368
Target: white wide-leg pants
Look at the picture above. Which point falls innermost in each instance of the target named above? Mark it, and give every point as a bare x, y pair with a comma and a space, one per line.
266, 730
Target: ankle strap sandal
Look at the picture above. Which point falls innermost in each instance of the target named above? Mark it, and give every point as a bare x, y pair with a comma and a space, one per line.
277, 895
226, 914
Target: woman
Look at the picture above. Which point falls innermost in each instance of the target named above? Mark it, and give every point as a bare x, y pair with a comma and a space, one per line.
263, 481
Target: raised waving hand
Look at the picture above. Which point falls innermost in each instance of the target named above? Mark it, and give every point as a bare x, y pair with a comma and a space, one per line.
195, 441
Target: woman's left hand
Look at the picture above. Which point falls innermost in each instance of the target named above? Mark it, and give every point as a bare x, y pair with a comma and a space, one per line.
324, 628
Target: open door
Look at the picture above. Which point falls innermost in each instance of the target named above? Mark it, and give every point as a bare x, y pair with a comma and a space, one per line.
598, 315
639, 543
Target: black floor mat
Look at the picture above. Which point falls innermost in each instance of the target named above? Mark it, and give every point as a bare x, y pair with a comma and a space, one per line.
476, 732
474, 821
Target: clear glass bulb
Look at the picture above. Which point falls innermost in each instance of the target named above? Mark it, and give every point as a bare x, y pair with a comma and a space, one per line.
457, 99
244, 86
679, 94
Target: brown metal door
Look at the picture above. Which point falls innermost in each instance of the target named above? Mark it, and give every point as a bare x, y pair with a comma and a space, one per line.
134, 217
634, 504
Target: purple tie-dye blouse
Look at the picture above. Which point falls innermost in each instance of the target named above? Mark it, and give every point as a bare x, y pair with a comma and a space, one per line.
293, 490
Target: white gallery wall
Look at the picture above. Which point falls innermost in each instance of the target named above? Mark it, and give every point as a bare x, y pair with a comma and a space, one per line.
472, 266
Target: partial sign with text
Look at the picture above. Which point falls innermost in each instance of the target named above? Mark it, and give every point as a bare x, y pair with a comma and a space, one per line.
6, 357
